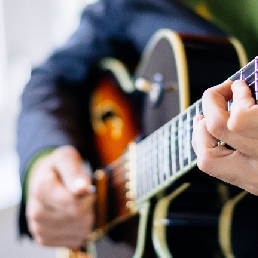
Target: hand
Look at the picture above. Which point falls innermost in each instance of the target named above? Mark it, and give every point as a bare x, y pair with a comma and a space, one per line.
238, 128
60, 206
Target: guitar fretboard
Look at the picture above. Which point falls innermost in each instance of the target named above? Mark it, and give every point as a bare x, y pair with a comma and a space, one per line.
167, 154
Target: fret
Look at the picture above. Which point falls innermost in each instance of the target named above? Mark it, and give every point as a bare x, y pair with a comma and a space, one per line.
189, 123
256, 79
141, 159
181, 141
199, 105
160, 148
163, 165
194, 110
157, 156
179, 145
144, 167
176, 153
184, 140
138, 168
166, 151
154, 150
147, 179
173, 147
148, 176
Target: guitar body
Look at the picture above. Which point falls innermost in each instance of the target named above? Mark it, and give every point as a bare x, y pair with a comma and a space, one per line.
152, 201
192, 204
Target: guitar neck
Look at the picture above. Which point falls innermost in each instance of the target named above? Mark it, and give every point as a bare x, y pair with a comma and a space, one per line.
167, 154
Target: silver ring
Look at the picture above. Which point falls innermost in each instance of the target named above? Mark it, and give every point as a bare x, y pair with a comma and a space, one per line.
221, 143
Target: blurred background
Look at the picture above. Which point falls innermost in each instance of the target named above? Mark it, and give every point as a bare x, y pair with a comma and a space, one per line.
29, 30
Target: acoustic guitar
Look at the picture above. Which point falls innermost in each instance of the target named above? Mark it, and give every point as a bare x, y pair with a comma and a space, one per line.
152, 201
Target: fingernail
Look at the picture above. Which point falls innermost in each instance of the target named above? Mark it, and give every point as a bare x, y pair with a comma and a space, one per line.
80, 183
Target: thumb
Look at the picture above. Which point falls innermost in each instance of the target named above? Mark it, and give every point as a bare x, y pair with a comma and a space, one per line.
71, 170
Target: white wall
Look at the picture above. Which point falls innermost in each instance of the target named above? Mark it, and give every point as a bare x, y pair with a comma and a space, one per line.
29, 30
2, 55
